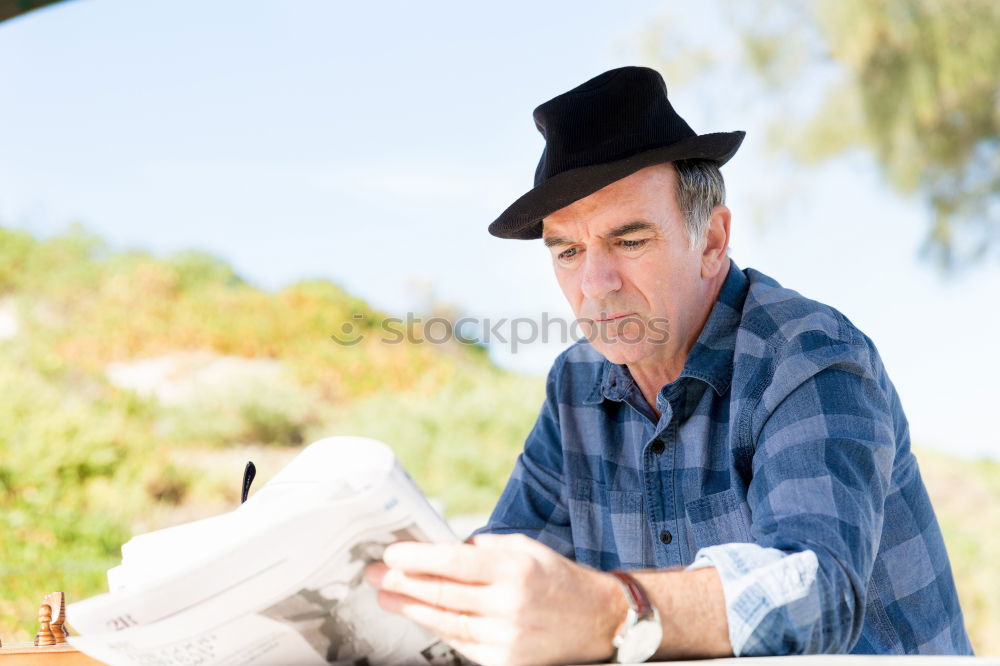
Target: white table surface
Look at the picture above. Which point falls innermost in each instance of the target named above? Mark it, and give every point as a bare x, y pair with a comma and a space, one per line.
843, 660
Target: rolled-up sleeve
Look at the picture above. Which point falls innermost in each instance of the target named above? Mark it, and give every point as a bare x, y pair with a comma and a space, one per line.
534, 499
823, 451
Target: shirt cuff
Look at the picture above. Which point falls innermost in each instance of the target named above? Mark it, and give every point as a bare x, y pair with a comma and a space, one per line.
755, 582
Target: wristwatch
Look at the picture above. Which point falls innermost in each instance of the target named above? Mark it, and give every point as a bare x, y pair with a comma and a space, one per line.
640, 636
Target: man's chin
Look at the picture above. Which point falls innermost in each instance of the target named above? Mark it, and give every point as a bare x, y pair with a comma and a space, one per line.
620, 351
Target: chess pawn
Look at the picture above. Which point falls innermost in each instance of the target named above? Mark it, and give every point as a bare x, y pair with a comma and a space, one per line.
45, 636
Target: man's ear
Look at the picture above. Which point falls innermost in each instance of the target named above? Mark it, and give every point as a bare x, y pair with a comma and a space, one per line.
713, 255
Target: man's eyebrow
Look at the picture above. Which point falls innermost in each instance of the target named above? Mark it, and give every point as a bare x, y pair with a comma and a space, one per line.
552, 241
617, 232
630, 228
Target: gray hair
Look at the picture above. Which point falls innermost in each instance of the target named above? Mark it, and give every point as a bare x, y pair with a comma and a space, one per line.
700, 188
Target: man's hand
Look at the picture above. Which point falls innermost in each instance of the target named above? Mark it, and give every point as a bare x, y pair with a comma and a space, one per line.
503, 599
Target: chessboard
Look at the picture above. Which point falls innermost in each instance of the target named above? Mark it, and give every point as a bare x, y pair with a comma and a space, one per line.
28, 654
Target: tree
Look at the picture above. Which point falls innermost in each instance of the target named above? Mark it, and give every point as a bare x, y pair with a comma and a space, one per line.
917, 87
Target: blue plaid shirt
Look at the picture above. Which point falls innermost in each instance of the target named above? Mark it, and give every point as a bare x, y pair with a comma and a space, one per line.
781, 457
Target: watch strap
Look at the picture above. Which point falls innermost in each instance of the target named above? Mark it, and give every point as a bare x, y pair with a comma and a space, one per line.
637, 598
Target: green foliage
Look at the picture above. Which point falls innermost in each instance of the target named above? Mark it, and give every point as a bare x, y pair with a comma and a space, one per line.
458, 442
84, 464
200, 269
60, 453
923, 87
916, 88
270, 407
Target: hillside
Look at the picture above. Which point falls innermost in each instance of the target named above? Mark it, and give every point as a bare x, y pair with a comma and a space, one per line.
134, 388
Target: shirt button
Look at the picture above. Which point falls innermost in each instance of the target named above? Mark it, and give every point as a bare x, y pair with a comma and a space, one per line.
666, 537
657, 447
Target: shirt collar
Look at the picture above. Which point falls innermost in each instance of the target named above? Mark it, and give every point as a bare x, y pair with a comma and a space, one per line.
711, 358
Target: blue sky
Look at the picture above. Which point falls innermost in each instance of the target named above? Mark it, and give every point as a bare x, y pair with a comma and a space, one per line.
371, 144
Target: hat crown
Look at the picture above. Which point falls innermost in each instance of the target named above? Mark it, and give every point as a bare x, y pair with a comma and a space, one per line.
602, 131
612, 116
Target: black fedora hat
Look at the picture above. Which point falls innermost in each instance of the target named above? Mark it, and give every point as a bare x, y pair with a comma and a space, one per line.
604, 130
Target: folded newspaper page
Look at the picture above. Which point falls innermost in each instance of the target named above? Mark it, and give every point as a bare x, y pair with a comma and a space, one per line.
278, 580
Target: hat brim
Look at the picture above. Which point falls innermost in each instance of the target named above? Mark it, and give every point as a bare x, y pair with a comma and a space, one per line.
523, 218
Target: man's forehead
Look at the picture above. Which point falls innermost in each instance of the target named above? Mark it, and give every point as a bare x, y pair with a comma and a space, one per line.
621, 202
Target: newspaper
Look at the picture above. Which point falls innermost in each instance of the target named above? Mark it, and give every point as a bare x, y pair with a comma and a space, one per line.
278, 580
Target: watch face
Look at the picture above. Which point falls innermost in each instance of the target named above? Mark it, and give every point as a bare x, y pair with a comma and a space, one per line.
640, 641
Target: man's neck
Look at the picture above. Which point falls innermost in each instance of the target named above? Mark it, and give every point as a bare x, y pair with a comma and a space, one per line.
651, 376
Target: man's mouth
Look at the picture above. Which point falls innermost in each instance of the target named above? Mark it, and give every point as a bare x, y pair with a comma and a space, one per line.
614, 316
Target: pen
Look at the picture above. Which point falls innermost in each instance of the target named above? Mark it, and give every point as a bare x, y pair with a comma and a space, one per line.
249, 472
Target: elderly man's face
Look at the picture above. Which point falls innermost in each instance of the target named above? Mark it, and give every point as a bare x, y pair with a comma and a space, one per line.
624, 261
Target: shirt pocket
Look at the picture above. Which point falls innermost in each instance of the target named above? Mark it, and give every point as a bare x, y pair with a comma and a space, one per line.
628, 525
609, 526
718, 518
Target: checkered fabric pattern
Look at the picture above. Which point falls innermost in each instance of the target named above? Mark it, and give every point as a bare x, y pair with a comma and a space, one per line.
781, 457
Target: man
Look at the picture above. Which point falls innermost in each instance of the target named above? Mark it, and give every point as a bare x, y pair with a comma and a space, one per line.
735, 446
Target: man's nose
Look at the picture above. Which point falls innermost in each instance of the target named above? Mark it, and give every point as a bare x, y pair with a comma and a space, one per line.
600, 275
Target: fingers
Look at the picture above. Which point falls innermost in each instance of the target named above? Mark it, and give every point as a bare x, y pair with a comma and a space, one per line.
462, 562
432, 590
482, 598
510, 543
456, 628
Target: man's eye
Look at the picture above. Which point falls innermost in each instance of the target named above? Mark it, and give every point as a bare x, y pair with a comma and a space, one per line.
567, 254
634, 244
